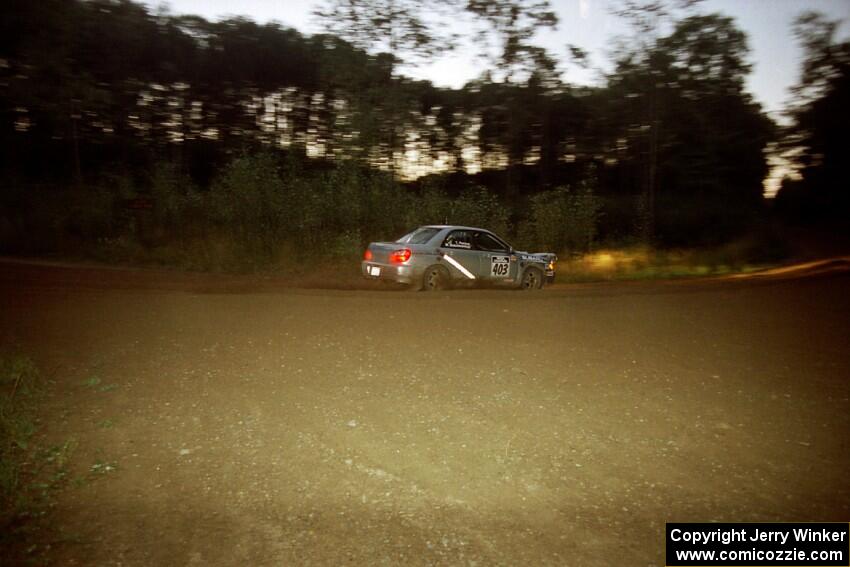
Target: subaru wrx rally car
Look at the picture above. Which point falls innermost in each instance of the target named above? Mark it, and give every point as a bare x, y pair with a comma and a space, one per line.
442, 256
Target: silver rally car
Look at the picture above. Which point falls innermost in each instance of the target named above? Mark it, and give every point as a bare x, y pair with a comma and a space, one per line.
442, 256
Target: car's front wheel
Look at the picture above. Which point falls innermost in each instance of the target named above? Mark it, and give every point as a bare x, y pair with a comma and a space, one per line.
435, 278
532, 279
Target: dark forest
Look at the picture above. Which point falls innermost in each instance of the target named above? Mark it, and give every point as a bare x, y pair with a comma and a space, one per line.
131, 135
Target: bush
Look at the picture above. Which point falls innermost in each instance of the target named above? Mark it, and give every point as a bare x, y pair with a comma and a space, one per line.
478, 207
178, 205
248, 203
563, 220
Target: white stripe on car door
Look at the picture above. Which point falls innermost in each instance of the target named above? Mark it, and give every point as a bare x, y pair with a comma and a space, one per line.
459, 266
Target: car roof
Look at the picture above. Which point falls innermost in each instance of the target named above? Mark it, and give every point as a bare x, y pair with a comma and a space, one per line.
453, 226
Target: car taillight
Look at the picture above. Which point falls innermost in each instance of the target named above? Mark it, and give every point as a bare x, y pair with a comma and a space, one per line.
400, 256
367, 255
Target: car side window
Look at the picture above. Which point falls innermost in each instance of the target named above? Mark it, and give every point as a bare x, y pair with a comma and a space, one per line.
486, 241
458, 239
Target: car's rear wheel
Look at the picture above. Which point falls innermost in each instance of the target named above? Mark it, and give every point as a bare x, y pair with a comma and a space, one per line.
435, 278
532, 279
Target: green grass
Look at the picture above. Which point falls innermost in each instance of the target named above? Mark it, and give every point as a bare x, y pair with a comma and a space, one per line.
30, 472
91, 382
19, 384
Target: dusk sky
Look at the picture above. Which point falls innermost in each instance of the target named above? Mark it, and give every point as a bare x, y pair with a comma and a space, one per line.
775, 54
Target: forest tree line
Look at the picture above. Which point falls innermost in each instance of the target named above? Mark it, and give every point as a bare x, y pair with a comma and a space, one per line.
128, 127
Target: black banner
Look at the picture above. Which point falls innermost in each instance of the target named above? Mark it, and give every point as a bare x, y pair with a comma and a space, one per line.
745, 544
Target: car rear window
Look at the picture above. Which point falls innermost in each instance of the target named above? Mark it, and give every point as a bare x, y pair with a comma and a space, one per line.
419, 236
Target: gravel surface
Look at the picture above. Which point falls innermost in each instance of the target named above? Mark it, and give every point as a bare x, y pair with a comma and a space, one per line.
222, 421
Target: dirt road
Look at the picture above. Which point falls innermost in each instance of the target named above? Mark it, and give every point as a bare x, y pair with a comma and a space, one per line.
278, 426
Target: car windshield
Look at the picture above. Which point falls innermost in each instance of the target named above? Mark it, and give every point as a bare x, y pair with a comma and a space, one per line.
419, 236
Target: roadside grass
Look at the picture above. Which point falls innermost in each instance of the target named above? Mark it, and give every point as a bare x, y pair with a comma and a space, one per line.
630, 263
30, 472
643, 263
339, 266
603, 264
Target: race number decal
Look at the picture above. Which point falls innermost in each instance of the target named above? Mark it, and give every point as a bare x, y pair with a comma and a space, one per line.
500, 266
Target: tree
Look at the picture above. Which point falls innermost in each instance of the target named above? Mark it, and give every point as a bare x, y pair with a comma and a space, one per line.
400, 28
647, 18
817, 137
507, 34
686, 117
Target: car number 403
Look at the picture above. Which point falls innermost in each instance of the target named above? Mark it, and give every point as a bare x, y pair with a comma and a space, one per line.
499, 266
